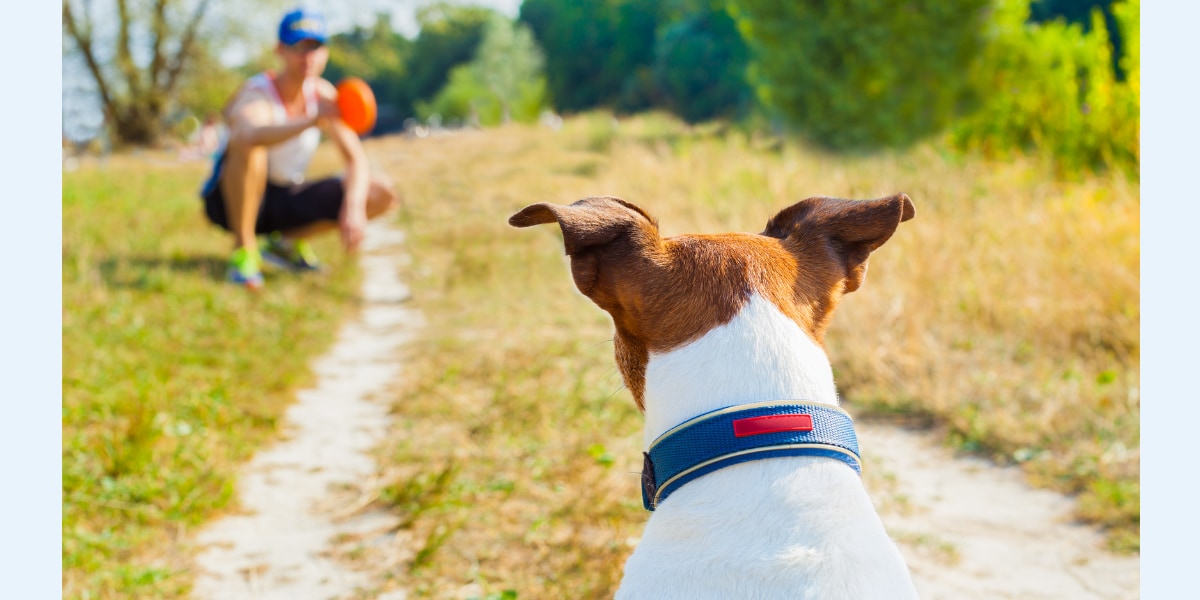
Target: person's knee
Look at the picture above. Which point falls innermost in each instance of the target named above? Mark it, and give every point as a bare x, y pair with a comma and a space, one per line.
245, 166
239, 150
381, 195
382, 185
241, 167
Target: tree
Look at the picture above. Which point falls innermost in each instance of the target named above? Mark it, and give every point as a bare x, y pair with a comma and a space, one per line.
136, 82
598, 52
1080, 11
863, 73
449, 37
205, 85
503, 82
700, 64
1051, 87
507, 61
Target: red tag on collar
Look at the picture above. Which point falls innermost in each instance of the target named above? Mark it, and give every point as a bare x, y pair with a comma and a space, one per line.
771, 424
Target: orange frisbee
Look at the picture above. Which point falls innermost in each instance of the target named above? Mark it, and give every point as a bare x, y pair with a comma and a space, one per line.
357, 103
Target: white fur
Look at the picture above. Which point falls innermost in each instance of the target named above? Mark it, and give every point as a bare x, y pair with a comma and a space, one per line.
793, 527
758, 355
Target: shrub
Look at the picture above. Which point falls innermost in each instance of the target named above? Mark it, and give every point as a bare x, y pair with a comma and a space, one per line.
1052, 87
502, 83
862, 73
700, 63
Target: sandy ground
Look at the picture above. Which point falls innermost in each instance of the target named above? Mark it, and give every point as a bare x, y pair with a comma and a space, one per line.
968, 528
279, 547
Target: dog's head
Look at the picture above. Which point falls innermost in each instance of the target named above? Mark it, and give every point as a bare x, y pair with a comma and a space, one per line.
665, 292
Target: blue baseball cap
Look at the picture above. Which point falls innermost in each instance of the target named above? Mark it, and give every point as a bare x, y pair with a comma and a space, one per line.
302, 24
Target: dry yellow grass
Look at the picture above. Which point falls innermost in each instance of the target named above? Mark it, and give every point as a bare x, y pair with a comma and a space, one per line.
1007, 312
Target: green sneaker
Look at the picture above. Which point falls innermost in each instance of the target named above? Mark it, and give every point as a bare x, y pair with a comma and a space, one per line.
293, 255
245, 268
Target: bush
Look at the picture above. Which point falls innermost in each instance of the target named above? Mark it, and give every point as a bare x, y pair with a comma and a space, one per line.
502, 83
862, 73
449, 37
700, 64
598, 52
1052, 87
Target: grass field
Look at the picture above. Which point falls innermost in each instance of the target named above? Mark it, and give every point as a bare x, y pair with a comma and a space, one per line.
1006, 314
171, 378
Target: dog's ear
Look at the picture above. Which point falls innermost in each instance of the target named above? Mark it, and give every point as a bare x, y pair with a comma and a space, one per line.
590, 224
592, 221
856, 228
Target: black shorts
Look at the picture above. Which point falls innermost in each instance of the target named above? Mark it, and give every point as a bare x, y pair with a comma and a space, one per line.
285, 207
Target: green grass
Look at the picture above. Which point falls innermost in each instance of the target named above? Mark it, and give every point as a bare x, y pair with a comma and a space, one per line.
171, 377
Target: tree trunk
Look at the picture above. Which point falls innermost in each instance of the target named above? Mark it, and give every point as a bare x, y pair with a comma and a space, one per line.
136, 109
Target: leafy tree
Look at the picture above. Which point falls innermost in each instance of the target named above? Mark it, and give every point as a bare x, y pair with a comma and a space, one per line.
598, 52
136, 95
1080, 12
206, 84
861, 73
1073, 11
503, 82
700, 63
449, 37
1051, 87
637, 30
465, 99
507, 62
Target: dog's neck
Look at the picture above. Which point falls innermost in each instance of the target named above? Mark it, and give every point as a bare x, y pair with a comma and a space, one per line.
758, 355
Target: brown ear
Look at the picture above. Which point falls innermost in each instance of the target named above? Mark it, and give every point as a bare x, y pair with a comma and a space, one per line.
585, 223
588, 224
856, 227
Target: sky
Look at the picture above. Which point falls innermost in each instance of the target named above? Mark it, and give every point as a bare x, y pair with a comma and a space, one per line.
345, 14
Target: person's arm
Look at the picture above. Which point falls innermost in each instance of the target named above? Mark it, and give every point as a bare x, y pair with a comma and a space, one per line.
353, 218
249, 117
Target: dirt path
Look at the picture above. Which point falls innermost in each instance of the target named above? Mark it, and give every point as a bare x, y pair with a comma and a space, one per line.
970, 529
279, 547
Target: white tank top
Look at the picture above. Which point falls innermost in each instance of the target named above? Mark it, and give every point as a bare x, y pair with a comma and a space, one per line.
288, 160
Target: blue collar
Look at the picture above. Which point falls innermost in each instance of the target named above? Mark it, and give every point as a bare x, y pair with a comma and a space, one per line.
741, 433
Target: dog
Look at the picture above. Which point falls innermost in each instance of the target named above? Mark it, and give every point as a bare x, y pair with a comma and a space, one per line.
751, 469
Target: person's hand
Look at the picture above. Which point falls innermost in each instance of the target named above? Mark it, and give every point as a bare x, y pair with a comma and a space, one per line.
327, 110
353, 225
